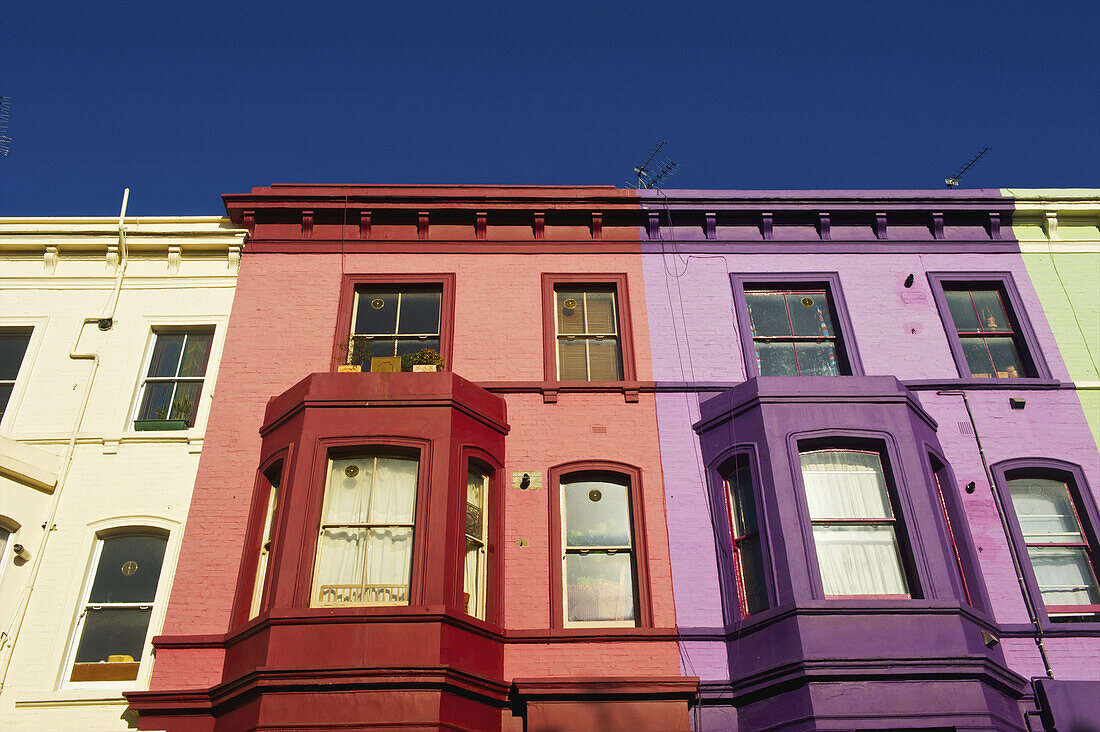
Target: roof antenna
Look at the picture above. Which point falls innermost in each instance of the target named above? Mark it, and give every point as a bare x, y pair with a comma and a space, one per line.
653, 171
953, 181
5, 117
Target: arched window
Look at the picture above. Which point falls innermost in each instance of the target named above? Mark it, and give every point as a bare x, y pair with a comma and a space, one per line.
117, 605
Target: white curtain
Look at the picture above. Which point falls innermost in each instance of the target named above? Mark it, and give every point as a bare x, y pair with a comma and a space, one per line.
854, 559
368, 490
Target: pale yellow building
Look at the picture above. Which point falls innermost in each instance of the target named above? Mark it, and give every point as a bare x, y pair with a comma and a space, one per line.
111, 331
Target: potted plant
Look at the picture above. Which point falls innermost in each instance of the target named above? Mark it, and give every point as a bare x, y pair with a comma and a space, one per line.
181, 407
426, 359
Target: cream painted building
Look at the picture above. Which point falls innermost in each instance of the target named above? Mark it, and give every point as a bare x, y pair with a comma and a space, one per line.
1059, 234
111, 331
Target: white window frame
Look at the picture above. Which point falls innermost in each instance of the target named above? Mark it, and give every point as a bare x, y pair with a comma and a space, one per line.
476, 604
37, 326
260, 580
207, 377
111, 530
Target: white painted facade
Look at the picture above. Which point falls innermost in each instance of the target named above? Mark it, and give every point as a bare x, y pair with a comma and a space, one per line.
72, 468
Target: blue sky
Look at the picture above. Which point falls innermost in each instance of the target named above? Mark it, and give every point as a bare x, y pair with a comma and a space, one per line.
187, 100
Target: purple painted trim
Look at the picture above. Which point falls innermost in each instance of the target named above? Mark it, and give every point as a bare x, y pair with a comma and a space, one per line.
845, 337
1073, 706
1081, 495
835, 246
823, 226
721, 520
1033, 357
987, 384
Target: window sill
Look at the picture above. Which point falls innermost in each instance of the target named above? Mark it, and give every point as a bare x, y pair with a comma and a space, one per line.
985, 384
92, 696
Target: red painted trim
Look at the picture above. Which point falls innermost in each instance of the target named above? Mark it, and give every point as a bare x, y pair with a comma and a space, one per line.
467, 246
585, 688
246, 578
549, 336
347, 302
644, 604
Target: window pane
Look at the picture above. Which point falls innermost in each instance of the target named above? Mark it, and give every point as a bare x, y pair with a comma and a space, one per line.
844, 484
601, 312
1064, 575
859, 560
5, 395
1045, 511
412, 345
977, 357
475, 503
599, 587
129, 569
376, 312
113, 632
166, 354
13, 346
1005, 358
962, 311
752, 574
570, 307
817, 359
419, 312
196, 354
603, 358
776, 359
991, 312
472, 579
367, 490
768, 314
157, 401
186, 402
597, 513
364, 566
572, 360
810, 319
742, 501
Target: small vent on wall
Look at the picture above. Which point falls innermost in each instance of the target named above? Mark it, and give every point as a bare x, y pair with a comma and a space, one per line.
965, 428
599, 429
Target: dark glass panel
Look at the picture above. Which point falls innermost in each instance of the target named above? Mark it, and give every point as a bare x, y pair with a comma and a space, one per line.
412, 345
817, 359
419, 312
13, 346
962, 311
991, 312
196, 354
185, 404
371, 320
742, 500
129, 569
113, 632
977, 357
5, 395
166, 354
157, 400
752, 575
811, 319
776, 359
768, 314
1005, 357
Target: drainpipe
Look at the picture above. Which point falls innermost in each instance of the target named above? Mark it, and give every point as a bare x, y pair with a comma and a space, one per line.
11, 633
1017, 562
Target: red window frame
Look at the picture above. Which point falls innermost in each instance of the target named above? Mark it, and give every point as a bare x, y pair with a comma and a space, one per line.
733, 466
618, 283
345, 314
643, 603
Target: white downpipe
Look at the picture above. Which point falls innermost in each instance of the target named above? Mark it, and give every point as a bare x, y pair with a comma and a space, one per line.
10, 634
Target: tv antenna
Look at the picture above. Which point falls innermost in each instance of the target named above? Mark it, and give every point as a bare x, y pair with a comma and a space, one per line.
953, 181
654, 170
5, 117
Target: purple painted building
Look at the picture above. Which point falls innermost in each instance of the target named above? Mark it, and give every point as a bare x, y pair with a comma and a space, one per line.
881, 489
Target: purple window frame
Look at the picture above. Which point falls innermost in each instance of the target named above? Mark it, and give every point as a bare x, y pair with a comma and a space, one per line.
1027, 343
911, 553
720, 468
943, 481
1087, 516
847, 353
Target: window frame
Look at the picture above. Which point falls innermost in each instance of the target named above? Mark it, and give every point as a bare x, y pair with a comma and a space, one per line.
849, 362
36, 328
143, 377
727, 458
261, 558
470, 456
1087, 516
881, 443
959, 536
1025, 338
156, 610
345, 319
642, 600
618, 283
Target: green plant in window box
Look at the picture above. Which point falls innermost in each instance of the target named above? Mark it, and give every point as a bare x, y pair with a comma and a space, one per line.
179, 419
423, 357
